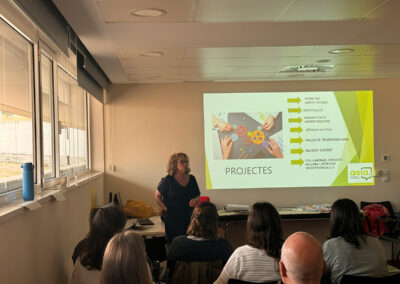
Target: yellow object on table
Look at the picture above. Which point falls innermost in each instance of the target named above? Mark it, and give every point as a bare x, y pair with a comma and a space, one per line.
138, 209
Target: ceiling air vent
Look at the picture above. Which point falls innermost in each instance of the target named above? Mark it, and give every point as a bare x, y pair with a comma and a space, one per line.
307, 68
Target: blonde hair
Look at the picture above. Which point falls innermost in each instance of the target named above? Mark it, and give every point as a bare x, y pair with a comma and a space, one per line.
124, 260
173, 161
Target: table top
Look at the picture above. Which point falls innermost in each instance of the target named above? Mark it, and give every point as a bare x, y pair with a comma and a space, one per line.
147, 231
158, 229
286, 214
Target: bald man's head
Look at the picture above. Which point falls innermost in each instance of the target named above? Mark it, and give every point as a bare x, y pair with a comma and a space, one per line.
302, 259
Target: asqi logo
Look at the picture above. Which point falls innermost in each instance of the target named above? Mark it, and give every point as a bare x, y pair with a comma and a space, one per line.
360, 173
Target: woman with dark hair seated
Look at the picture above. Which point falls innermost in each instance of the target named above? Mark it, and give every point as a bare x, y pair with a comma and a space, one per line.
349, 249
202, 242
258, 260
88, 254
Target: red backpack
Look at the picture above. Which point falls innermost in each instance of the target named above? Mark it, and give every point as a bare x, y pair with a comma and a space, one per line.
373, 223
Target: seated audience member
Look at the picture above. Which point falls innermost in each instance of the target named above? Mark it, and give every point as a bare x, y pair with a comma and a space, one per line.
349, 249
88, 254
258, 260
125, 260
302, 260
202, 242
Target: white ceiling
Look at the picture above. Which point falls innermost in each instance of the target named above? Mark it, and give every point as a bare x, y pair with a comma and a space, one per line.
238, 40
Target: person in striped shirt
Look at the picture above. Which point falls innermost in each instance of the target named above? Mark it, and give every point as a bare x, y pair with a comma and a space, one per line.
258, 260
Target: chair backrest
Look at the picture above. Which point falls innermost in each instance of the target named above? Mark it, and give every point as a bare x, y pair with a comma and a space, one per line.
237, 281
196, 272
391, 279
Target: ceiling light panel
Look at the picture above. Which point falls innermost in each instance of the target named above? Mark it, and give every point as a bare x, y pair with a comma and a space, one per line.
151, 62
118, 11
307, 68
148, 12
135, 53
151, 54
329, 9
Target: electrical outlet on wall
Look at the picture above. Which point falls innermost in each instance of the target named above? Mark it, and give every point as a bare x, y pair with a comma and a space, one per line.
385, 175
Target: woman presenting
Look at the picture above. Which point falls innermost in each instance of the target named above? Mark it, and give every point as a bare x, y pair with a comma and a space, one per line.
177, 194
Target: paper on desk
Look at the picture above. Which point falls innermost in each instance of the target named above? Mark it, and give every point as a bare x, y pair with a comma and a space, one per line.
236, 207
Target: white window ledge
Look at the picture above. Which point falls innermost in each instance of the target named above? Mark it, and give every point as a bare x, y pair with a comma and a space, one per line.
17, 206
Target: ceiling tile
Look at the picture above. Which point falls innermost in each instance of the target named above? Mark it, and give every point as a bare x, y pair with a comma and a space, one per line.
151, 62
239, 11
258, 69
209, 62
202, 77
117, 11
390, 10
154, 71
309, 10
205, 70
367, 67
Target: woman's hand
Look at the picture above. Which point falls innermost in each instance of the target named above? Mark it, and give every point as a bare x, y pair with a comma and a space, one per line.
163, 212
224, 126
226, 146
268, 122
273, 149
193, 201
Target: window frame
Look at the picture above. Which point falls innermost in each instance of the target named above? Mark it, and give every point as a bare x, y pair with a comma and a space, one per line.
33, 85
43, 51
42, 46
60, 172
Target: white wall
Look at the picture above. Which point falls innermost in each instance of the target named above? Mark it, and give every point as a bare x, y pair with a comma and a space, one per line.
36, 247
146, 123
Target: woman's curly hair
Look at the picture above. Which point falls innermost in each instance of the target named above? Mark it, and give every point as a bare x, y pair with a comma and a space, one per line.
173, 161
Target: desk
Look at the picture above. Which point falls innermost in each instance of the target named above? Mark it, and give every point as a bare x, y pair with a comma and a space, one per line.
147, 231
286, 214
316, 223
153, 235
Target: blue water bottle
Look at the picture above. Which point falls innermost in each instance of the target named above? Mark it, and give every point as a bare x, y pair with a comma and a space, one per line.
27, 181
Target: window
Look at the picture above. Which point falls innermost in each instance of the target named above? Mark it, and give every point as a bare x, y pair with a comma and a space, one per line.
16, 97
46, 80
55, 136
72, 125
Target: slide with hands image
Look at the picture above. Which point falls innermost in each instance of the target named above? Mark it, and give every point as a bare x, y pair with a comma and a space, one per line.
289, 139
243, 137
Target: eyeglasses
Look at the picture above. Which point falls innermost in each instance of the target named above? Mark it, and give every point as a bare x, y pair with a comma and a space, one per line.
184, 161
